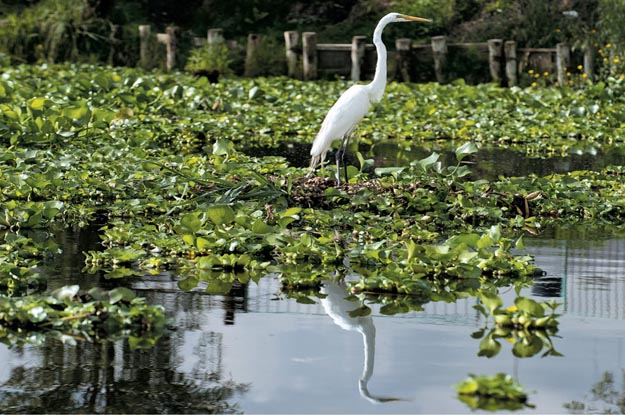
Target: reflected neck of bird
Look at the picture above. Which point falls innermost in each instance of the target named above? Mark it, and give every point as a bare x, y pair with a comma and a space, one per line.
368, 337
379, 80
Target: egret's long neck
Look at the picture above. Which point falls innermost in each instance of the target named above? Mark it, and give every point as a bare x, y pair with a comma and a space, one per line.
379, 80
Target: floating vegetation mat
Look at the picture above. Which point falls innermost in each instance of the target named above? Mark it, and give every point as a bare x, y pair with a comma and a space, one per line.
157, 159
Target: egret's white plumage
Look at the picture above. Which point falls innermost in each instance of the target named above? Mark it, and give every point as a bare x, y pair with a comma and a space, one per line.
354, 104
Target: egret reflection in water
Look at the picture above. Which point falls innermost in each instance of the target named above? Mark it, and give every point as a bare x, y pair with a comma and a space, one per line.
338, 307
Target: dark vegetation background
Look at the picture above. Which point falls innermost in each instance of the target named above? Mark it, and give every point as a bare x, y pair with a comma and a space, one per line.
106, 31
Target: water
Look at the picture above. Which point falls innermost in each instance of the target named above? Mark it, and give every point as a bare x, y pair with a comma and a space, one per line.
489, 163
256, 352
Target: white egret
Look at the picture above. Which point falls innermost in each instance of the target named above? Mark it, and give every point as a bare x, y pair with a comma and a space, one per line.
354, 104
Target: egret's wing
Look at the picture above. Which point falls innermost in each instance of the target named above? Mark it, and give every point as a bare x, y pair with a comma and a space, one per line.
342, 118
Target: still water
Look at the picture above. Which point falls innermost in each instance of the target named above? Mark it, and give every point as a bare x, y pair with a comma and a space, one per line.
255, 351
489, 163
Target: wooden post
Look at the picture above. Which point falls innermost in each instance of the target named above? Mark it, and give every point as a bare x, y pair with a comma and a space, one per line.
563, 57
144, 41
403, 47
511, 64
291, 40
215, 36
251, 55
439, 51
589, 61
358, 56
113, 42
494, 59
170, 63
309, 42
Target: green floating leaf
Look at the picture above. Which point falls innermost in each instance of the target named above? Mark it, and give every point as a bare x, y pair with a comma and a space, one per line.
428, 161
389, 171
489, 347
121, 293
361, 311
495, 233
527, 347
490, 300
37, 314
188, 284
533, 308
465, 150
66, 292
191, 223
202, 243
218, 287
220, 214
222, 147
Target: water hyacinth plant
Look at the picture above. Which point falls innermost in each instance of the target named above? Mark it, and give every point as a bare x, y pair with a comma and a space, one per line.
492, 393
171, 169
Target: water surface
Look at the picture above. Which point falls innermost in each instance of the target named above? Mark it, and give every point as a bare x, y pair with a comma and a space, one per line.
255, 351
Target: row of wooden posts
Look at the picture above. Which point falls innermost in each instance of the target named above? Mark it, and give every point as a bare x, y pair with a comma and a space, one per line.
505, 59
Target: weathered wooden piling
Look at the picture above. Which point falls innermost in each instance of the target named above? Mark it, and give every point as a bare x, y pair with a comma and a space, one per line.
291, 42
144, 41
358, 56
495, 55
215, 36
589, 61
439, 52
563, 58
171, 43
309, 42
251, 55
113, 41
403, 47
511, 62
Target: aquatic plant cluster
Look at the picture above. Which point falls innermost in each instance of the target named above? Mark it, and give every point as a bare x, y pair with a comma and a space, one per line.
164, 162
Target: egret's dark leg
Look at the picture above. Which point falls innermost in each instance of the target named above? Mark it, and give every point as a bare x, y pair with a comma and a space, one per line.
338, 165
345, 142
340, 158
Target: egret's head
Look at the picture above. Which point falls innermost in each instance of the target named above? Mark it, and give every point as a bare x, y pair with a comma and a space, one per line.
405, 18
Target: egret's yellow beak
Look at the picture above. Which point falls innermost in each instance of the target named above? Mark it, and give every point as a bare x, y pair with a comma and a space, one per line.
415, 19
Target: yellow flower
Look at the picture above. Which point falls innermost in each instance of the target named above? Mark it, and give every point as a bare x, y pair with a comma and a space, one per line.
580, 67
608, 46
546, 74
616, 60
584, 75
537, 75
531, 71
605, 59
568, 74
621, 76
534, 84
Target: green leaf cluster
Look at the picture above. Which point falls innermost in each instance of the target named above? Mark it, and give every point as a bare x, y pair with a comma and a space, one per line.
180, 174
94, 315
492, 393
528, 325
